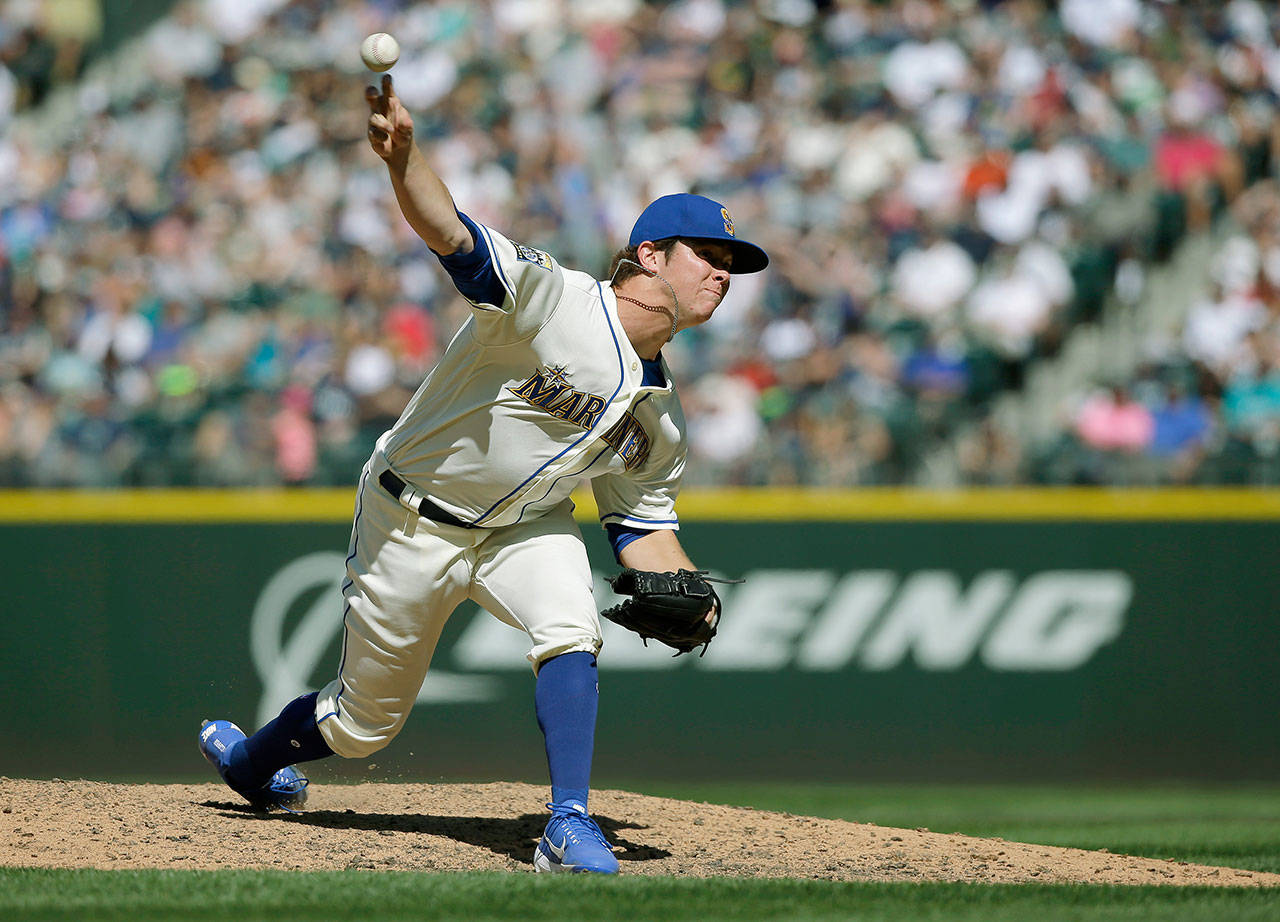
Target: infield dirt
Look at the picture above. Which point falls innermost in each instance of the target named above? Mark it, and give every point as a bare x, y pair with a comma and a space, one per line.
494, 827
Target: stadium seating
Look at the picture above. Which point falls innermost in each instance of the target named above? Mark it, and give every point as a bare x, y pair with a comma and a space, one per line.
986, 219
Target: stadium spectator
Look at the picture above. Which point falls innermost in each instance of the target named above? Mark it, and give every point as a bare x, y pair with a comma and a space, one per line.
193, 231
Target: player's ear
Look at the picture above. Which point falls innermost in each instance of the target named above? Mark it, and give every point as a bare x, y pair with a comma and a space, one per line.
647, 255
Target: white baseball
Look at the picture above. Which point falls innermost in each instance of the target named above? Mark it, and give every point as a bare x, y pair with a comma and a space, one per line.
379, 51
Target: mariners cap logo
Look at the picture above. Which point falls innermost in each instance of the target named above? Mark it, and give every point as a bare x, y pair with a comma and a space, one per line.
728, 221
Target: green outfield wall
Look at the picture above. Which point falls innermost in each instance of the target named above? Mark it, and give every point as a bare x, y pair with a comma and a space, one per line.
879, 634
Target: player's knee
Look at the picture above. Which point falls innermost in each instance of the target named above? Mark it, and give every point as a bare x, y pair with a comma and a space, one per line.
356, 746
353, 730
352, 740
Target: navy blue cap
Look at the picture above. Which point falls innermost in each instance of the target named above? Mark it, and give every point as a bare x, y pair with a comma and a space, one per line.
696, 217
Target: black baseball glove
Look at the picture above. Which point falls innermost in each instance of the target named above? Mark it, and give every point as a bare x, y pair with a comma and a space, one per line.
670, 607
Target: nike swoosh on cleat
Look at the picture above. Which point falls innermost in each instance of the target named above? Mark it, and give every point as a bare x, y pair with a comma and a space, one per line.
556, 850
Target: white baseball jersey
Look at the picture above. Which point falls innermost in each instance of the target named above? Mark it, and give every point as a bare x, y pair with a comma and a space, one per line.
540, 390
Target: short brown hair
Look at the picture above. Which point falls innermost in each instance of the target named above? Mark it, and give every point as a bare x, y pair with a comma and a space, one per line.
620, 271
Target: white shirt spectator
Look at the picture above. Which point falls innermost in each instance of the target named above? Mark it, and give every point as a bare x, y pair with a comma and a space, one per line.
1215, 330
1271, 264
182, 45
1011, 216
127, 336
1044, 266
1271, 67
1236, 264
944, 124
788, 339
1248, 21
914, 71
795, 13
522, 17
694, 20
1069, 172
814, 145
934, 186
424, 77
1100, 22
733, 314
1009, 311
930, 282
724, 424
877, 151
1021, 70
606, 11
237, 22
369, 369
1007, 216
8, 96
10, 159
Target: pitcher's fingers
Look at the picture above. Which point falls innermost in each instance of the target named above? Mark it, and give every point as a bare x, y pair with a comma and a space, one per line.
371, 97
387, 89
380, 123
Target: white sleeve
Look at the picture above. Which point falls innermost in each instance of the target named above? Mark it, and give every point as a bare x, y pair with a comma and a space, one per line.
533, 283
513, 289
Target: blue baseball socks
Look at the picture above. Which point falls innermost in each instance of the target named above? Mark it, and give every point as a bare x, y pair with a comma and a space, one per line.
291, 737
566, 698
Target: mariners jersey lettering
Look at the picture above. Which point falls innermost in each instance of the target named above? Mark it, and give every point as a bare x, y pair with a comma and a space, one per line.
539, 390
549, 390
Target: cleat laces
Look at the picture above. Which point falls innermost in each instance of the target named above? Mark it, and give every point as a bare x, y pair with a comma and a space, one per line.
284, 788
578, 826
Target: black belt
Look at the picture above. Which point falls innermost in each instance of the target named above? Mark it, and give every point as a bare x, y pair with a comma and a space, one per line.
426, 508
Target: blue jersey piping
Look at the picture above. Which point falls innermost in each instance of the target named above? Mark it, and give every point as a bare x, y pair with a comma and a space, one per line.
526, 506
622, 378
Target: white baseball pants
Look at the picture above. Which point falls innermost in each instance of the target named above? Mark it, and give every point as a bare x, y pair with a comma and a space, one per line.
405, 576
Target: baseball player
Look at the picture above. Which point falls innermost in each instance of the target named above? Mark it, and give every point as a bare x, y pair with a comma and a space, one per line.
555, 378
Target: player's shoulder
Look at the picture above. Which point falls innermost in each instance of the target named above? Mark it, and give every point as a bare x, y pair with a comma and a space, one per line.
510, 249
579, 281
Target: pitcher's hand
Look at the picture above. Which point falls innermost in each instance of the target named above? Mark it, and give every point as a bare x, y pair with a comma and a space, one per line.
390, 124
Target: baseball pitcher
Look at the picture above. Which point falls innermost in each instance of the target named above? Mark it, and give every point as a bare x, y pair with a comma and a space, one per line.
556, 378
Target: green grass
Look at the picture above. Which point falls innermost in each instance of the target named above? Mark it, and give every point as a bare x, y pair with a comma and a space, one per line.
1232, 826
144, 896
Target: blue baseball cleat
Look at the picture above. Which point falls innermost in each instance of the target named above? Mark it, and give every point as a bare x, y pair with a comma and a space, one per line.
573, 842
286, 789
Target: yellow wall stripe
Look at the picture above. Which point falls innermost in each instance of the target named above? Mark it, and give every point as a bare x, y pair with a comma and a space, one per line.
110, 506
731, 505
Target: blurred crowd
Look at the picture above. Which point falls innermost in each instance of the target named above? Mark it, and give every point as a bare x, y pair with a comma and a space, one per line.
43, 43
204, 278
1205, 407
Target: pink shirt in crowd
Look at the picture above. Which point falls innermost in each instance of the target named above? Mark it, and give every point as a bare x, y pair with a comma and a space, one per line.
1113, 425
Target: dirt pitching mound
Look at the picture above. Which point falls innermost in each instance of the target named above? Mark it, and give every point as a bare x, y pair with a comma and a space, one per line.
494, 827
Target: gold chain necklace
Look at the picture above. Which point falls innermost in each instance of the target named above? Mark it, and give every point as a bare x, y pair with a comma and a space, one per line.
656, 310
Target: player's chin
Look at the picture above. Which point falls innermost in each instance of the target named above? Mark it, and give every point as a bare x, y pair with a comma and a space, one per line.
706, 305
699, 314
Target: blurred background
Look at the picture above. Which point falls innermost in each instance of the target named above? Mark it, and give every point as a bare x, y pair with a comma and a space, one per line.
1015, 244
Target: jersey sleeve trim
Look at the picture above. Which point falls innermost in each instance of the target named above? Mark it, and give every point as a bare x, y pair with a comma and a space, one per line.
622, 535
631, 521
476, 274
497, 263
